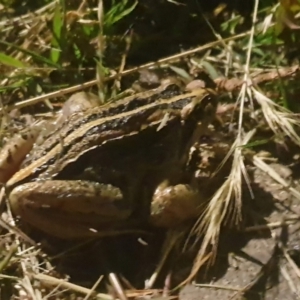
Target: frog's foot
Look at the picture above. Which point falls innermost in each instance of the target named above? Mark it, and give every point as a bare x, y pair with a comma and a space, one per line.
175, 204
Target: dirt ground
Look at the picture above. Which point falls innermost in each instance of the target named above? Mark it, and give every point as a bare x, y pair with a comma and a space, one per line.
261, 264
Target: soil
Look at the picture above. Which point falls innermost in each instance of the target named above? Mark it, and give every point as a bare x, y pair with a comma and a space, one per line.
255, 265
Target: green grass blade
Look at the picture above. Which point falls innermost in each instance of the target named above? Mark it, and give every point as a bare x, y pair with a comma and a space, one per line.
57, 26
11, 61
34, 55
118, 12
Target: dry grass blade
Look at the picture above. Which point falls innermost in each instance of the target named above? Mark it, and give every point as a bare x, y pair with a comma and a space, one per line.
93, 288
117, 286
172, 238
27, 291
259, 163
289, 280
273, 225
52, 281
4, 262
225, 206
29, 263
279, 119
292, 285
100, 52
26, 18
225, 203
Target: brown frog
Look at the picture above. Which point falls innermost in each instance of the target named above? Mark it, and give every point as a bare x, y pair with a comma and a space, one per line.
115, 165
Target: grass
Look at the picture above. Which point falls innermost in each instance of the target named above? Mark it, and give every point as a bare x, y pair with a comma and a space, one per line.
60, 48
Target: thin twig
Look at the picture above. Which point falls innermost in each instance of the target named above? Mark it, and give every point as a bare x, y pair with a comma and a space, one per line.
91, 83
52, 281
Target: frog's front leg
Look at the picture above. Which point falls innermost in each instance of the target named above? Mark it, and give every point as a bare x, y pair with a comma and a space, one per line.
68, 209
172, 205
